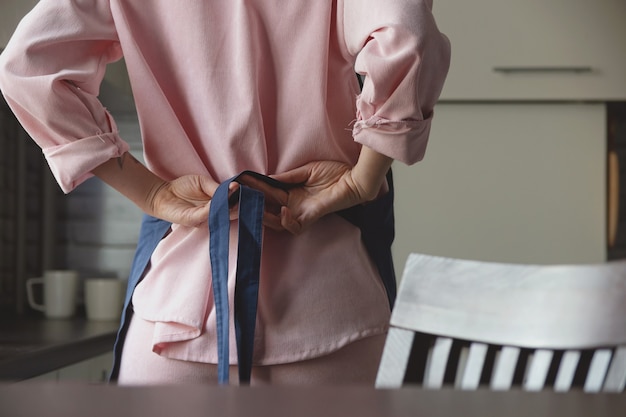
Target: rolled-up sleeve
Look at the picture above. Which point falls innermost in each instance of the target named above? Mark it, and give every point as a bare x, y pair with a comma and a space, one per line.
404, 59
50, 75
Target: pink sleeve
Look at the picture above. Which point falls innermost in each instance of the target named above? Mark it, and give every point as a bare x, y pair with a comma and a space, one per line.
405, 60
50, 75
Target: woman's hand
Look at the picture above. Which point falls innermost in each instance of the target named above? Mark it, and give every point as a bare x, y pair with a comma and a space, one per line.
275, 198
330, 186
185, 200
327, 186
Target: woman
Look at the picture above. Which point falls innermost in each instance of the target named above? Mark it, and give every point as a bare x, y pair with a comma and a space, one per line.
230, 85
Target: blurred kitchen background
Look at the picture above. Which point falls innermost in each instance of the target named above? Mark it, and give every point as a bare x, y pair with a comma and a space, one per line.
523, 163
93, 229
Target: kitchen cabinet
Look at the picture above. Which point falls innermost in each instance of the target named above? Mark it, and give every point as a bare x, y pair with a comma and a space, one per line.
516, 166
511, 182
535, 49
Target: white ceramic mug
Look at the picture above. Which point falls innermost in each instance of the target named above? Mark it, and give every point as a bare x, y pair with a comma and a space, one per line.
59, 293
103, 298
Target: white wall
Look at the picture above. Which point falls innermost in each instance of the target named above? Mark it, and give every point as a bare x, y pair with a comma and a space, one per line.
507, 182
11, 12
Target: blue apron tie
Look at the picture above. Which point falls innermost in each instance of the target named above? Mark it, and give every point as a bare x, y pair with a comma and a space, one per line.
251, 203
152, 231
377, 224
375, 220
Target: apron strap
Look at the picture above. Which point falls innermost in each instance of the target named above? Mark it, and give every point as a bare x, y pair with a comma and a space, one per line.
377, 224
251, 205
152, 231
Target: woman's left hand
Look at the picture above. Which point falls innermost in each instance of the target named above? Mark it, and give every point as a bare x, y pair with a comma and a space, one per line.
327, 187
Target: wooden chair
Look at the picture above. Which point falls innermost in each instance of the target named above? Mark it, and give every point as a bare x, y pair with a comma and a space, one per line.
470, 324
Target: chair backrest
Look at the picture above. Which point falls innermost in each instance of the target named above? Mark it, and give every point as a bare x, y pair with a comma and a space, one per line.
472, 324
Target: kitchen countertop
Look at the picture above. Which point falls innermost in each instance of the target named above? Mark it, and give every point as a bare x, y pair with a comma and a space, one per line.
34, 346
80, 400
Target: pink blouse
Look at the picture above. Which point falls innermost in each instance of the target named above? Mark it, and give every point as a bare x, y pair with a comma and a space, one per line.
224, 86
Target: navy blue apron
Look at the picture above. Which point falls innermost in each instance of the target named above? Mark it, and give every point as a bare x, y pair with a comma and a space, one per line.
374, 219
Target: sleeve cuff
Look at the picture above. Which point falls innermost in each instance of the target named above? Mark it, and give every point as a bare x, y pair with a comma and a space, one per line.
72, 163
403, 140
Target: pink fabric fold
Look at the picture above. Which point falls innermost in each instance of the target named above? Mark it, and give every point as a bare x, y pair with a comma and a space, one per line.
403, 140
72, 163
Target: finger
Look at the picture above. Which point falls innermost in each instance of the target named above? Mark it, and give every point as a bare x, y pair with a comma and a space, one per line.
232, 187
273, 222
288, 222
233, 212
207, 185
233, 194
198, 216
273, 195
298, 175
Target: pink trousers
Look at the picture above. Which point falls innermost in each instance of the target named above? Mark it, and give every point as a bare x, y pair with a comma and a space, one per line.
355, 364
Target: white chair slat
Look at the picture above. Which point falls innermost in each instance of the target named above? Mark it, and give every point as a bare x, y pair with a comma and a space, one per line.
597, 370
616, 378
503, 372
460, 368
437, 362
473, 368
567, 369
537, 370
395, 358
